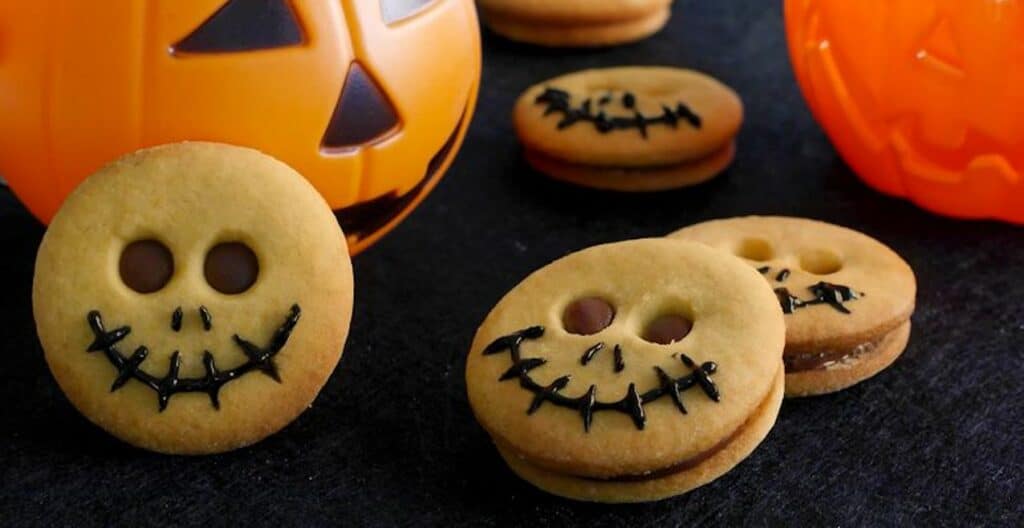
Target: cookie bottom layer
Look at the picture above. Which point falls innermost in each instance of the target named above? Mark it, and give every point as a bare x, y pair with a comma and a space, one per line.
748, 437
580, 35
635, 179
841, 374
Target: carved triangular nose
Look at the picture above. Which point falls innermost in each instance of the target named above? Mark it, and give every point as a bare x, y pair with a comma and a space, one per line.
363, 113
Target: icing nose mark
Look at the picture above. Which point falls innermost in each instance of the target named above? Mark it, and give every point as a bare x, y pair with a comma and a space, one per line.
176, 319
178, 316
206, 317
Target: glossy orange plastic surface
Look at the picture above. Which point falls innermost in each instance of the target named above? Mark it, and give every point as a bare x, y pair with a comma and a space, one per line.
923, 98
84, 82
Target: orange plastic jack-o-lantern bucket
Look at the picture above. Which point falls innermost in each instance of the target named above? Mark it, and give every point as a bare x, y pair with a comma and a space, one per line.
369, 99
922, 98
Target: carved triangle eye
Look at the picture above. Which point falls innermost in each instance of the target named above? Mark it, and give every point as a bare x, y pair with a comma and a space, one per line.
941, 45
394, 10
245, 25
363, 113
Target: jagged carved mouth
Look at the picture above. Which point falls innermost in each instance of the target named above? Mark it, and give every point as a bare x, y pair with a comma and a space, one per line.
130, 368
364, 219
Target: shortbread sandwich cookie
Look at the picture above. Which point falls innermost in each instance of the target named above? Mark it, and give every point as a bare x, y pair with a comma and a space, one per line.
630, 129
630, 372
193, 298
576, 23
847, 298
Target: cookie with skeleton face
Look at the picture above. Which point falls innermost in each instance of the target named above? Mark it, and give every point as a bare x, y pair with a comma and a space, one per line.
630, 372
630, 129
193, 298
847, 298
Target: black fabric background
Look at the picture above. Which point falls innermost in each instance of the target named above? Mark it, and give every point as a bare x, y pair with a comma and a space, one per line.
391, 441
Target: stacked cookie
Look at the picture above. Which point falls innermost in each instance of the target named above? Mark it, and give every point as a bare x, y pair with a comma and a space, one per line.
640, 370
630, 128
847, 298
576, 23
630, 372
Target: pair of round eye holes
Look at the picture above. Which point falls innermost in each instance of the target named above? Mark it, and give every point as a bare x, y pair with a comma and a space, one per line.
590, 315
816, 261
147, 266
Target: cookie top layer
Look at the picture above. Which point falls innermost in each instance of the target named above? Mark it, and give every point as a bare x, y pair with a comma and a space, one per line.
655, 291
218, 261
573, 12
628, 117
840, 288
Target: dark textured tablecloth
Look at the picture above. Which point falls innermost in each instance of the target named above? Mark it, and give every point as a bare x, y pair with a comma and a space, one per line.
391, 441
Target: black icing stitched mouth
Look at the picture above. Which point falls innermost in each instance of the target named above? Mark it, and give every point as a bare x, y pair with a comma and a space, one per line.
560, 101
259, 358
834, 295
632, 404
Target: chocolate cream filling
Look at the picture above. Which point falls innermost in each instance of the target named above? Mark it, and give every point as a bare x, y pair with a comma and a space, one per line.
824, 359
679, 467
693, 461
710, 158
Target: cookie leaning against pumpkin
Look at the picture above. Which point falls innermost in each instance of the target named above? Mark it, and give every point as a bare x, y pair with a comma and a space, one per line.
630, 372
193, 298
576, 23
847, 297
630, 128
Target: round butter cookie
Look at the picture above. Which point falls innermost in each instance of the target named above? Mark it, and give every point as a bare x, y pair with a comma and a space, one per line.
847, 298
576, 23
630, 372
630, 128
193, 298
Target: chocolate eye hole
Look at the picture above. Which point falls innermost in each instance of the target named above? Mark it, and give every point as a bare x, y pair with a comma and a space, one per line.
668, 329
755, 249
820, 262
146, 266
231, 267
588, 316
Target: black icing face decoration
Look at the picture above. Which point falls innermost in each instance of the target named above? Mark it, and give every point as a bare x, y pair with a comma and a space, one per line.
589, 316
193, 297
587, 404
614, 110
230, 268
594, 317
822, 293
